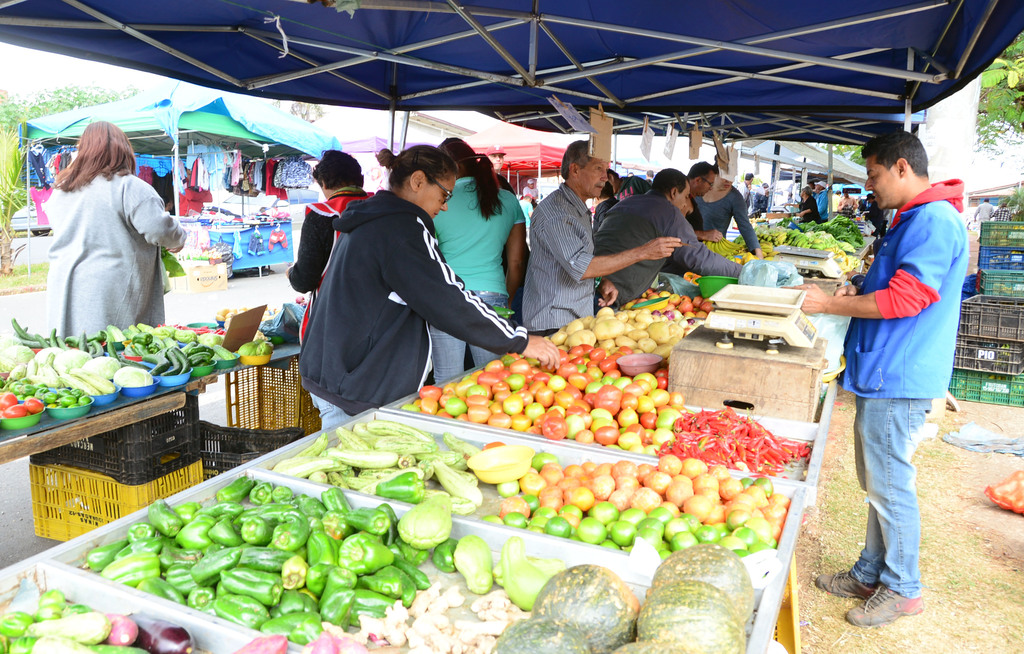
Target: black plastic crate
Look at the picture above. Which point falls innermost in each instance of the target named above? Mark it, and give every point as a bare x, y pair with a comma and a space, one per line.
999, 318
138, 453
224, 448
1001, 357
992, 258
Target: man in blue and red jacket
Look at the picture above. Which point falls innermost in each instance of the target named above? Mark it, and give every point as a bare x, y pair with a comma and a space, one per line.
899, 356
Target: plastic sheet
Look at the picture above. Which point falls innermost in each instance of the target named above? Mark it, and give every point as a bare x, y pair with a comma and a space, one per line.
773, 274
978, 439
833, 329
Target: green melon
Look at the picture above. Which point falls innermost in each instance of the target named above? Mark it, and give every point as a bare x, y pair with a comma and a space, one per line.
541, 636
715, 565
655, 647
694, 615
596, 601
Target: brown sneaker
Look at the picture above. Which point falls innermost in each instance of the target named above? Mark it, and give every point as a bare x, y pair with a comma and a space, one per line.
842, 584
884, 607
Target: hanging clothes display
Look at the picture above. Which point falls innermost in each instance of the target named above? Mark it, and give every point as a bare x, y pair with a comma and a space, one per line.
293, 172
37, 161
39, 196
269, 187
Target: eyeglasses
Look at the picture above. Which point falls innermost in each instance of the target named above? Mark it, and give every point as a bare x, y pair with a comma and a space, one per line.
709, 182
447, 193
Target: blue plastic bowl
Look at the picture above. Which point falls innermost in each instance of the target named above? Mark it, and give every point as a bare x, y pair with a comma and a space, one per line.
139, 391
103, 400
174, 380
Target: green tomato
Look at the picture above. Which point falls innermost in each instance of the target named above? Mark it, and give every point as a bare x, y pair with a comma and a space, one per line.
545, 511
68, 401
651, 535
455, 406
676, 526
732, 543
622, 533
539, 521
661, 514
51, 398
707, 534
592, 530
571, 509
515, 519
651, 523
533, 502
610, 544
540, 458
508, 488
682, 540
84, 400
493, 519
605, 512
633, 516
558, 526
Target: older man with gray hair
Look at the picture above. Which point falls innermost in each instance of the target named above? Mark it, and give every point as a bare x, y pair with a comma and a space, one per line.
559, 281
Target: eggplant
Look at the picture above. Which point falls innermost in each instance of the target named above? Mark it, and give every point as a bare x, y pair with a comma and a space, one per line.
162, 637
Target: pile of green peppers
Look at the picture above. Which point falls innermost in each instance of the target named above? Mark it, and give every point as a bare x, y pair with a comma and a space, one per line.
268, 560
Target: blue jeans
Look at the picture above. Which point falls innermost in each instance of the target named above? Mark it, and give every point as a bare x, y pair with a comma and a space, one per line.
331, 415
883, 438
448, 353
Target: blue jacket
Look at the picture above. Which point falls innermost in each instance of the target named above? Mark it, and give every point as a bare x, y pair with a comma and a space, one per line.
822, 200
912, 357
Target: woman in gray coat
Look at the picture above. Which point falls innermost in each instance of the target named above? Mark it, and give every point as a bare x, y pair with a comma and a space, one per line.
108, 228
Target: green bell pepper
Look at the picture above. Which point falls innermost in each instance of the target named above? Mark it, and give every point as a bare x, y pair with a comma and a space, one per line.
141, 546
201, 598
262, 493
339, 579
225, 534
335, 525
286, 625
241, 610
321, 548
178, 575
264, 587
23, 645
316, 578
208, 571
102, 556
163, 517
363, 553
141, 530
265, 559
221, 509
372, 521
411, 554
161, 588
293, 572
256, 530
444, 556
51, 605
368, 602
392, 535
419, 578
386, 581
187, 510
406, 487
408, 587
292, 533
281, 494
293, 601
15, 624
213, 547
237, 490
336, 608
76, 609
132, 569
334, 499
171, 555
307, 631
310, 506
195, 535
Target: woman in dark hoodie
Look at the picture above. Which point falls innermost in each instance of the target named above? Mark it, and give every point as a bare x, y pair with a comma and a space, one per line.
366, 343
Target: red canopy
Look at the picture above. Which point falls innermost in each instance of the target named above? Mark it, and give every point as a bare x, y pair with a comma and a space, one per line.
523, 147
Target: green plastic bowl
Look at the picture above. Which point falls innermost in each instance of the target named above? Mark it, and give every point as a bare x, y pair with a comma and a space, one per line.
21, 423
68, 413
202, 371
200, 325
224, 364
711, 284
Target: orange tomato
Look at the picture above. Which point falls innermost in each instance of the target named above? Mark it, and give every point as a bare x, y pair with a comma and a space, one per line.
620, 498
428, 405
500, 420
645, 499
675, 398
478, 400
643, 470
433, 392
552, 473
699, 506
602, 486
632, 388
521, 422
585, 436
607, 435
693, 467
583, 348
582, 497
519, 366
574, 470
670, 464
514, 504
679, 491
624, 468
478, 414
658, 482
532, 483
551, 497
579, 380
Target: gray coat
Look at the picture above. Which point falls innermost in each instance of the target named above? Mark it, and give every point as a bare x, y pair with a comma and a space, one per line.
105, 264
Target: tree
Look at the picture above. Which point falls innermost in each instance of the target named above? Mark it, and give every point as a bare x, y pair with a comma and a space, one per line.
17, 109
12, 193
306, 111
1001, 104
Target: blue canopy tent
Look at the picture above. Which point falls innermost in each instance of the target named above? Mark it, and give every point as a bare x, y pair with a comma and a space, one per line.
509, 56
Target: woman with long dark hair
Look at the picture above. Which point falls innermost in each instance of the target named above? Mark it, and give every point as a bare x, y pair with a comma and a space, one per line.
482, 223
108, 228
366, 343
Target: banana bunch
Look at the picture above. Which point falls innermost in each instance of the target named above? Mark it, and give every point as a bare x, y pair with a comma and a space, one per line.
773, 235
846, 262
726, 248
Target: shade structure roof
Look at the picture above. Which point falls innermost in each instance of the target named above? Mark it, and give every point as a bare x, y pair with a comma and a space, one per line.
525, 149
881, 56
177, 111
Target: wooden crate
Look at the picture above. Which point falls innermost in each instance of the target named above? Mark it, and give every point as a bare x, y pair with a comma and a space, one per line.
827, 286
784, 385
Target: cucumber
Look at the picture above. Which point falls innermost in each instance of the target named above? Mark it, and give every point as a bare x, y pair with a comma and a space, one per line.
360, 459
391, 428
85, 628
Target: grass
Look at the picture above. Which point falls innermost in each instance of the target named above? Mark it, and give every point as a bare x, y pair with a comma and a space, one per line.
973, 600
20, 282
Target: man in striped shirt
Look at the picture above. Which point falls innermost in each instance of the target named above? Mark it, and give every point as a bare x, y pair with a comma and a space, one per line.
559, 280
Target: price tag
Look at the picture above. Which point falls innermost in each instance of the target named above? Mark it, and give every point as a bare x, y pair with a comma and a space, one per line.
572, 116
646, 140
670, 141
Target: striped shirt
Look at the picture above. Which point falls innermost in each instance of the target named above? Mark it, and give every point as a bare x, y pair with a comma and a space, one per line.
561, 248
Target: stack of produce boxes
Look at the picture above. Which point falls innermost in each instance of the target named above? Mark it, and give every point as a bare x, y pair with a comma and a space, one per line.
990, 351
1001, 259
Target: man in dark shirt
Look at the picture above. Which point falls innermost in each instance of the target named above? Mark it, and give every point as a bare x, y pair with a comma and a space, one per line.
702, 178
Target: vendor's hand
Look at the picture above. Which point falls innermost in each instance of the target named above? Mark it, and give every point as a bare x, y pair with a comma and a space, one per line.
815, 301
659, 248
176, 250
759, 253
608, 292
712, 235
848, 289
540, 348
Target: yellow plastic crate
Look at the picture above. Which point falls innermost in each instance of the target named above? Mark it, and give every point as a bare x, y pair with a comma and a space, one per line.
787, 626
68, 502
265, 397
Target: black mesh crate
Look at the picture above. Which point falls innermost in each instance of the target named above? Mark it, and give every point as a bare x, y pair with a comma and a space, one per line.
993, 317
223, 448
1002, 357
137, 453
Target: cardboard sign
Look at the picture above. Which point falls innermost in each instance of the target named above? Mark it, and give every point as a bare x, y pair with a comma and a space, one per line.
646, 140
601, 141
695, 142
571, 115
670, 141
242, 327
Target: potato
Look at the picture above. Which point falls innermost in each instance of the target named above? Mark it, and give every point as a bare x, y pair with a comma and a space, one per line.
675, 331
663, 350
574, 326
558, 337
659, 331
637, 334
643, 319
588, 322
606, 312
625, 341
608, 328
581, 337
647, 344
622, 316
607, 344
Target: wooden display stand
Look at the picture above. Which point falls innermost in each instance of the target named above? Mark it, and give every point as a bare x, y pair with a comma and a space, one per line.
827, 286
784, 385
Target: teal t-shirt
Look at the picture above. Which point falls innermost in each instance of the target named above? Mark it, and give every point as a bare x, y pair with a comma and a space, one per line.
472, 245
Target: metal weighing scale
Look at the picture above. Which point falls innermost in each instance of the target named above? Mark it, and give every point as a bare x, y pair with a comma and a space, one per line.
810, 260
761, 314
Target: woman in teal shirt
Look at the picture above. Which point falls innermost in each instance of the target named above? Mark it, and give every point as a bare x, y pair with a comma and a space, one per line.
482, 223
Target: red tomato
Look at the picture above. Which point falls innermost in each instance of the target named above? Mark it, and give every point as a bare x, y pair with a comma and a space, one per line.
34, 405
16, 411
430, 391
8, 400
609, 398
554, 428
493, 444
662, 382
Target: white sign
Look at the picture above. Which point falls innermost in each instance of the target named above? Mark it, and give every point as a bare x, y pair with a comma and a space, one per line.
646, 140
670, 141
572, 116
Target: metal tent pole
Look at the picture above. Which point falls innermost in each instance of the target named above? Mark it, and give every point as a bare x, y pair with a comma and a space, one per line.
828, 205
174, 186
28, 209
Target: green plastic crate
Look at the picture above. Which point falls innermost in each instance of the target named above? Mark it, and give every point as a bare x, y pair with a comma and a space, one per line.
1002, 234
985, 387
1005, 283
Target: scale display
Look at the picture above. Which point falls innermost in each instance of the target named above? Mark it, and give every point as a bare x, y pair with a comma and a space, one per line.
761, 314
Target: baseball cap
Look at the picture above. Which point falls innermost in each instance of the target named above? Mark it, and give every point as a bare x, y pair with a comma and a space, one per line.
749, 176
820, 183
495, 149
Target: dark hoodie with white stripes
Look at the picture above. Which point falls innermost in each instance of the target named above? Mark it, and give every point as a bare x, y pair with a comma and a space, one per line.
367, 342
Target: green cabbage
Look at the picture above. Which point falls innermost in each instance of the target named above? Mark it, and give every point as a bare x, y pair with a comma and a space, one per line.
69, 360
13, 355
210, 339
105, 367
132, 377
7, 340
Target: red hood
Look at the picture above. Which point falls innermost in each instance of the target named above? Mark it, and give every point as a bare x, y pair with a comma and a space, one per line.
951, 190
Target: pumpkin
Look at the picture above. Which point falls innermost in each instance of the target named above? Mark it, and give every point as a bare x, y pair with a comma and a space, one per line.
596, 601
541, 636
715, 565
654, 647
693, 615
